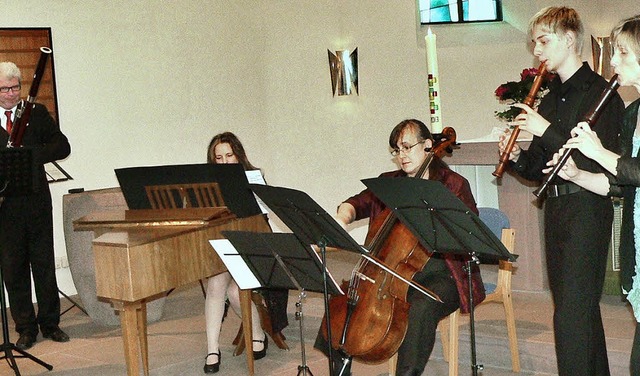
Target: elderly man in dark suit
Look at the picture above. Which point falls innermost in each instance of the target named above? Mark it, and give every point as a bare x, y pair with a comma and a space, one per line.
26, 220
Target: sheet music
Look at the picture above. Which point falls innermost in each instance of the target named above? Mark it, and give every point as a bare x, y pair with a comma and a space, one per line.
316, 251
235, 264
255, 177
55, 173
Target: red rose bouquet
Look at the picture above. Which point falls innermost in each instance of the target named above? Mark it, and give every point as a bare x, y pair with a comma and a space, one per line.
515, 92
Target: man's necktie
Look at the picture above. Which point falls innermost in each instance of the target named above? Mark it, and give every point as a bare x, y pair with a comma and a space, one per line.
9, 122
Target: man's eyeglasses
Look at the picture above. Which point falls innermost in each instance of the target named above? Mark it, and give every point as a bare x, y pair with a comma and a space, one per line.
404, 148
6, 89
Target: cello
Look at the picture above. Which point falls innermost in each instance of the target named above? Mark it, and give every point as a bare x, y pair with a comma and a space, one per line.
370, 321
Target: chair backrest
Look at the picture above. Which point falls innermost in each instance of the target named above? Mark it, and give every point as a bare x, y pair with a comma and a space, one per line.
176, 196
495, 219
498, 223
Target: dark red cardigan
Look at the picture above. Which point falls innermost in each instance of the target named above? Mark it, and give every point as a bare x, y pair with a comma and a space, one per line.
368, 205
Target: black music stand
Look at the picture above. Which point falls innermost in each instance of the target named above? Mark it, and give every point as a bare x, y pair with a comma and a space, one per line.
18, 175
56, 173
442, 223
230, 177
282, 261
313, 225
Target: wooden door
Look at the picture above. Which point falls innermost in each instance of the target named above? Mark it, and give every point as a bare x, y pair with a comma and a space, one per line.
22, 46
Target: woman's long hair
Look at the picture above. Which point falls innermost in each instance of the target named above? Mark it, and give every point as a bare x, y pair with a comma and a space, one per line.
236, 147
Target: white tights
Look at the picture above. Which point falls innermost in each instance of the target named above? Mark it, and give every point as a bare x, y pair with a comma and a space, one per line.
220, 287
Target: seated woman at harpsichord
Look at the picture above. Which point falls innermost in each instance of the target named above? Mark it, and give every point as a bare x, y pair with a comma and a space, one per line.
227, 148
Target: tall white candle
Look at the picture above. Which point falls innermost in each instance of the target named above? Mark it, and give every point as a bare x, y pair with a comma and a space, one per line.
434, 82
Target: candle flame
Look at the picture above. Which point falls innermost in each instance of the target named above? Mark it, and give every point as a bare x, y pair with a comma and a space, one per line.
429, 31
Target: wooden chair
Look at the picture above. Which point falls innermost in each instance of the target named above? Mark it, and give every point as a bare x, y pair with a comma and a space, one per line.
180, 196
498, 222
265, 323
449, 337
500, 294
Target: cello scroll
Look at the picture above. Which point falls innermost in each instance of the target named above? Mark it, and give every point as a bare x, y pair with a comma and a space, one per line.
444, 142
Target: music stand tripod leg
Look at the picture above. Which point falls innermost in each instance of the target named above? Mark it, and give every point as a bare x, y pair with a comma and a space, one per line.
325, 294
474, 365
345, 363
73, 304
303, 369
7, 347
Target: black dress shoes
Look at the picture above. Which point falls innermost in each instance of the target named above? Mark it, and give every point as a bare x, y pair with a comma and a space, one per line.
55, 334
26, 341
212, 368
262, 353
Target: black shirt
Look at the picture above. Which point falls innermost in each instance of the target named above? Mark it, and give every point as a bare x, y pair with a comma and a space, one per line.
564, 106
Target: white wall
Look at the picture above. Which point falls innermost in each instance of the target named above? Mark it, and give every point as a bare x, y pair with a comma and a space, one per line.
149, 82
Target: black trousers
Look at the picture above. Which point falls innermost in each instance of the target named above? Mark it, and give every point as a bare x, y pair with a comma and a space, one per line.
26, 247
424, 316
577, 235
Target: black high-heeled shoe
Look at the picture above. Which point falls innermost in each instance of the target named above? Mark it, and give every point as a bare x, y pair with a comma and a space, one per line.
262, 353
212, 368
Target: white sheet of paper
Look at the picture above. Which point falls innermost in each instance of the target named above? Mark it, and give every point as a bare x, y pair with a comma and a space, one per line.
255, 177
55, 173
316, 251
235, 264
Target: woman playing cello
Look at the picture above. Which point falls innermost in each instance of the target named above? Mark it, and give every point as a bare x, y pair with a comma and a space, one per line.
443, 274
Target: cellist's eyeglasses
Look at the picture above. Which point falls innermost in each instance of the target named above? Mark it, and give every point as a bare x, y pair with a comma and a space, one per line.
6, 89
405, 148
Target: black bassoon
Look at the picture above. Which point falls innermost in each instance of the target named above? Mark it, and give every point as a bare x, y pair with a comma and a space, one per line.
23, 113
